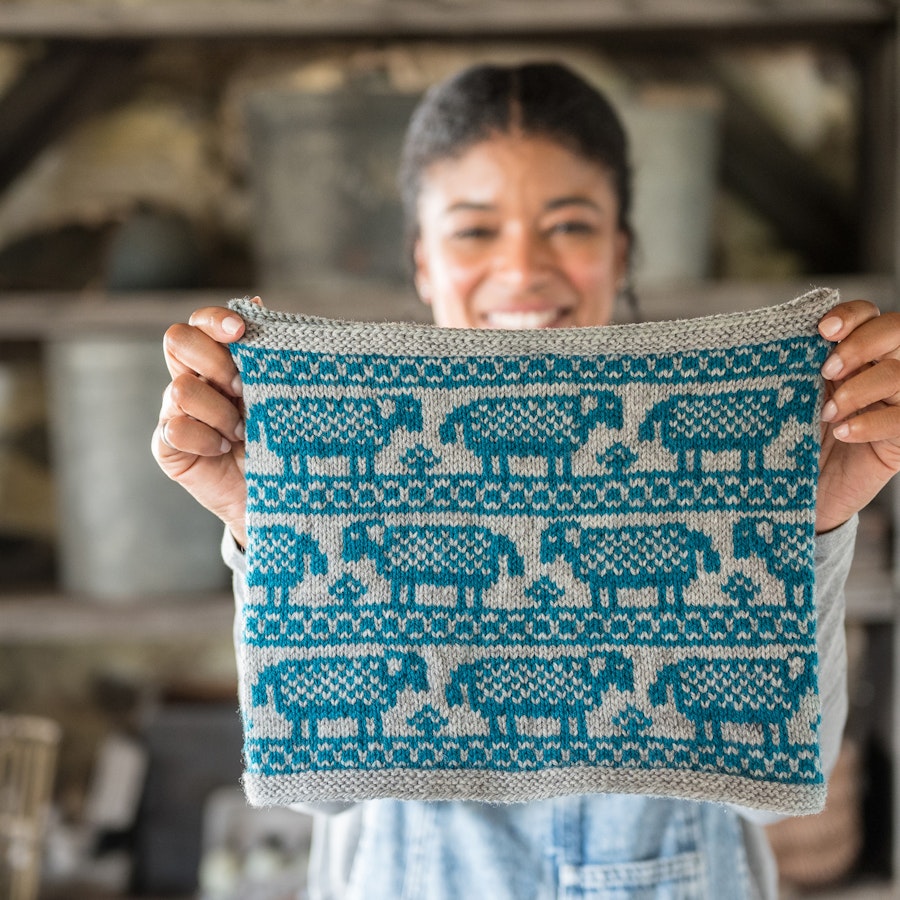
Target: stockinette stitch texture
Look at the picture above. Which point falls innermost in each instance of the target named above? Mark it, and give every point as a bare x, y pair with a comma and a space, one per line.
506, 566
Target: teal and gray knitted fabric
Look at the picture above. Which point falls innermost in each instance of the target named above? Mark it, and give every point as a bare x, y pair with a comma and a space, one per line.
504, 566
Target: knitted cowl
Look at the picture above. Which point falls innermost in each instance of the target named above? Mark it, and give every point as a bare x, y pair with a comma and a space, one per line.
503, 566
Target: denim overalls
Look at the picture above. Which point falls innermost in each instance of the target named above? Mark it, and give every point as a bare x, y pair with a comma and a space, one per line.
596, 846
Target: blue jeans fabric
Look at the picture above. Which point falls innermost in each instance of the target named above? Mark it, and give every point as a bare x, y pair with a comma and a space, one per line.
574, 848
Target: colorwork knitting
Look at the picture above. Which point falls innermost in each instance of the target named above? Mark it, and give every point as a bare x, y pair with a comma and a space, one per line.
503, 566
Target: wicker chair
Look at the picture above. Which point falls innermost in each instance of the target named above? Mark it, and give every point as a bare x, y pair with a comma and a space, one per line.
28, 747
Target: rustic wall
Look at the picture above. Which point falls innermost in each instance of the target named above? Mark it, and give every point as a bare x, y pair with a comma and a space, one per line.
95, 687
179, 143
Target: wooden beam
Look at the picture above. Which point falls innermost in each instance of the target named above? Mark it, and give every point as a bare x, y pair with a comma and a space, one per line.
756, 162
243, 18
65, 86
805, 210
59, 618
41, 315
877, 166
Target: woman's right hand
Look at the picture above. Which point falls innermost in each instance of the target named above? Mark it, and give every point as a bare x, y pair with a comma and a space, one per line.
199, 440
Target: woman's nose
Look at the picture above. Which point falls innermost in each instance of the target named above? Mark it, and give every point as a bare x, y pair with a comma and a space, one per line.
522, 256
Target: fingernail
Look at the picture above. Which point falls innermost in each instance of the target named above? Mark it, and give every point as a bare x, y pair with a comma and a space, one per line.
239, 431
237, 386
830, 327
832, 367
225, 446
231, 325
829, 411
842, 432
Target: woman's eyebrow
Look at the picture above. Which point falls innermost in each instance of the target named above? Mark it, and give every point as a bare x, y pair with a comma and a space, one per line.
468, 205
574, 200
549, 206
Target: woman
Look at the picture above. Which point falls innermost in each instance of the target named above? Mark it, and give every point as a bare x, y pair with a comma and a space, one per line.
517, 192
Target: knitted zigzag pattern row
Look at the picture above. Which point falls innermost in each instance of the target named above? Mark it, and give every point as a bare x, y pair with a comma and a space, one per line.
503, 566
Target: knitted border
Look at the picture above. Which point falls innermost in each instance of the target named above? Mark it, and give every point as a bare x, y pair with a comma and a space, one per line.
270, 327
519, 787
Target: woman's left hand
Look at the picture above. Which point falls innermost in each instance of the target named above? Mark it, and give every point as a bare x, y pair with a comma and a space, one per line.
861, 415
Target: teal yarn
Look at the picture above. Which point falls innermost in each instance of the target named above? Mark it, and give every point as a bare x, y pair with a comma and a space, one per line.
505, 566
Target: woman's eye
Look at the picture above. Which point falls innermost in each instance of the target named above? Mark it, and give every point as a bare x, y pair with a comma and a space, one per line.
572, 226
475, 232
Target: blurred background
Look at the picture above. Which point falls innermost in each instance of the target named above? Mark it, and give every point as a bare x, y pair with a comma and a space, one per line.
157, 156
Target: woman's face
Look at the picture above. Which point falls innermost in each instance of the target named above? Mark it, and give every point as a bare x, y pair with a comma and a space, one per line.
519, 232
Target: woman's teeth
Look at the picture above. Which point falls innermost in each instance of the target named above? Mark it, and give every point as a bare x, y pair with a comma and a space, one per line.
523, 320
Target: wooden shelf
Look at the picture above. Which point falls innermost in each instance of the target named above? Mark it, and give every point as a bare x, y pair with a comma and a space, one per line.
711, 297
110, 19
54, 618
58, 619
41, 316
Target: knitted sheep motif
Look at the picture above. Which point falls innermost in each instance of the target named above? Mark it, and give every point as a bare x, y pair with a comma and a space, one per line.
748, 691
636, 556
565, 688
689, 424
785, 550
280, 558
355, 427
553, 427
467, 557
337, 687
578, 536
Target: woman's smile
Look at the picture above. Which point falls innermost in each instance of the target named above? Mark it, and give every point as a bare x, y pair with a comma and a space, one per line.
520, 319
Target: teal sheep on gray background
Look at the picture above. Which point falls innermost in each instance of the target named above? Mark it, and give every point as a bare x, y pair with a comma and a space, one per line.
495, 428
785, 550
765, 692
467, 557
354, 427
664, 557
336, 687
564, 688
746, 421
280, 559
